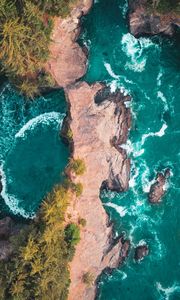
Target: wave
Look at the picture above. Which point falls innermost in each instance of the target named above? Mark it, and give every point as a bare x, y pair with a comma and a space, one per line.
161, 96
134, 48
120, 209
167, 292
159, 133
41, 119
11, 201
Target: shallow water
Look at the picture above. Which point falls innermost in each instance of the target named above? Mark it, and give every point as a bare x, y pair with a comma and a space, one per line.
32, 155
148, 69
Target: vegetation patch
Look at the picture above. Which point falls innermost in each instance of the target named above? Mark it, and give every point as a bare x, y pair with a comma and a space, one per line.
39, 266
77, 166
25, 30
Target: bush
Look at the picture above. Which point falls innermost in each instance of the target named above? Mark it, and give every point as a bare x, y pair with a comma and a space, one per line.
72, 234
88, 279
82, 222
78, 188
39, 268
77, 166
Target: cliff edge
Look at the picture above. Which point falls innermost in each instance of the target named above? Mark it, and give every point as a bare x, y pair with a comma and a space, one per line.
99, 122
144, 19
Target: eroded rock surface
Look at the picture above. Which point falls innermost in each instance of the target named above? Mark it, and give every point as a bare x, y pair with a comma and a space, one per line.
99, 122
145, 21
157, 189
68, 61
140, 252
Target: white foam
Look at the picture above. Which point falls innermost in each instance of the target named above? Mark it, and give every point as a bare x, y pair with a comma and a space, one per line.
110, 71
159, 133
134, 48
120, 209
167, 292
161, 96
11, 201
43, 119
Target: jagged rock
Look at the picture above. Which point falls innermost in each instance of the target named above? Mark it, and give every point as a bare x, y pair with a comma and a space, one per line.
117, 253
157, 189
100, 122
68, 61
140, 252
143, 21
5, 228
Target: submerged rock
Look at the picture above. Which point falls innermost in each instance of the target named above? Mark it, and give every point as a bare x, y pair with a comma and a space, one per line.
144, 20
140, 252
157, 189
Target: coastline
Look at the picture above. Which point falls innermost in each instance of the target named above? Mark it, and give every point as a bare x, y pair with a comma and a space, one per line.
106, 163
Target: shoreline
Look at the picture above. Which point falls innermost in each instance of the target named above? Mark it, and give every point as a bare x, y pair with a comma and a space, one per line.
106, 163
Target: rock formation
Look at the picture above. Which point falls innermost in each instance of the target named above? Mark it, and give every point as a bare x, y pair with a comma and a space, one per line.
140, 252
146, 21
157, 189
68, 61
99, 122
8, 228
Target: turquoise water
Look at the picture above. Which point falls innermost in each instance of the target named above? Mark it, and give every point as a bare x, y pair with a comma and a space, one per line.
148, 69
32, 155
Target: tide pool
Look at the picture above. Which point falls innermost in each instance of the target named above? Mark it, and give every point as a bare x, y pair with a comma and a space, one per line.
147, 69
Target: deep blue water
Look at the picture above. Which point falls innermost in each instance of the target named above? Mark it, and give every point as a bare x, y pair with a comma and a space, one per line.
147, 69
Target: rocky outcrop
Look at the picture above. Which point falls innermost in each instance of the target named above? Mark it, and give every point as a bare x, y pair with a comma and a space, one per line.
143, 20
140, 252
157, 189
8, 229
68, 61
99, 122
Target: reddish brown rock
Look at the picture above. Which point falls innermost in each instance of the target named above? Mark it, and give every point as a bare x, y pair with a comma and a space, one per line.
140, 252
68, 61
145, 21
157, 189
97, 118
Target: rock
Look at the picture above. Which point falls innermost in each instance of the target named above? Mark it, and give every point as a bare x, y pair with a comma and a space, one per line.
68, 61
157, 189
143, 21
99, 121
6, 250
117, 253
140, 252
5, 228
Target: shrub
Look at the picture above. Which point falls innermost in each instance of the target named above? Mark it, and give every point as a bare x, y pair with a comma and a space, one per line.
39, 267
82, 222
72, 234
77, 166
88, 278
78, 188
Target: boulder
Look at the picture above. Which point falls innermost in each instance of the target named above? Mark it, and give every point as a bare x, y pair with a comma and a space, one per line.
157, 189
144, 20
140, 252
